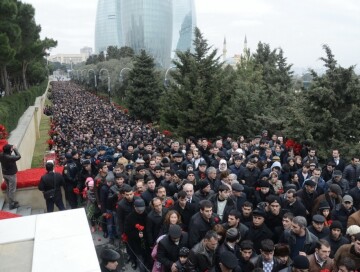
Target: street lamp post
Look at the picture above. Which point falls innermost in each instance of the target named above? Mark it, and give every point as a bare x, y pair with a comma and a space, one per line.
166, 81
121, 78
82, 76
94, 78
103, 69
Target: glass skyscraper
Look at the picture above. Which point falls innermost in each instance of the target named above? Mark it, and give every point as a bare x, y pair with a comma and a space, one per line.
184, 22
147, 24
158, 26
108, 25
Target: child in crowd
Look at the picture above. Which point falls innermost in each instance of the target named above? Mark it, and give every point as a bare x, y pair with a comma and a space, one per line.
183, 255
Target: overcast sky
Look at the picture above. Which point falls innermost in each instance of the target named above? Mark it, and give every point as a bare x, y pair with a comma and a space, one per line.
300, 28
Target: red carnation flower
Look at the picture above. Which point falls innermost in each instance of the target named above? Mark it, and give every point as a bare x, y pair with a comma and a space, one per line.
139, 227
124, 238
76, 191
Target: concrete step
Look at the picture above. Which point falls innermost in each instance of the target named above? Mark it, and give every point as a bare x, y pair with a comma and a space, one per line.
7, 209
37, 211
2, 202
24, 210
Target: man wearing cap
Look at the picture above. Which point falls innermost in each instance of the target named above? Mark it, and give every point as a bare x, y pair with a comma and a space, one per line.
238, 195
332, 197
230, 244
176, 165
109, 260
202, 254
337, 178
70, 174
318, 227
335, 237
258, 230
87, 170
343, 211
9, 170
169, 247
136, 230
300, 264
308, 195
204, 190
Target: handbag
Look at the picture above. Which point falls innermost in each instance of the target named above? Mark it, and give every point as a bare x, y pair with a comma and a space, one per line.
50, 194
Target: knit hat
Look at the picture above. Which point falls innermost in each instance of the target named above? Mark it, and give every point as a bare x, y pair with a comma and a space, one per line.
336, 225
184, 252
352, 230
334, 188
175, 231
109, 255
202, 184
337, 173
324, 205
301, 262
89, 182
232, 233
7, 148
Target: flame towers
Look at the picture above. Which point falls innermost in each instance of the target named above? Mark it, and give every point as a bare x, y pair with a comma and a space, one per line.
158, 26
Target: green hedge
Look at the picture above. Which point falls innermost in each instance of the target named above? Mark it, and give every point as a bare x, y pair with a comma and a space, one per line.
12, 107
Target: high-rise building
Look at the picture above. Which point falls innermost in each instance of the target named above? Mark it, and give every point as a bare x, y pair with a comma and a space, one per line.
184, 22
147, 24
158, 26
108, 25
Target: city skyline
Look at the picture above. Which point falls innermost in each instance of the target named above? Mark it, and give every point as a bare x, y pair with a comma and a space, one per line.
299, 28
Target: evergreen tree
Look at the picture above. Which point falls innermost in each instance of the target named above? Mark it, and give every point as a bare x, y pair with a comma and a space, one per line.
10, 38
143, 95
332, 108
195, 104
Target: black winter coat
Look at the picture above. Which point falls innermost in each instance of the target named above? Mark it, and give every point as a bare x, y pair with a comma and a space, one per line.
47, 182
137, 244
8, 162
168, 251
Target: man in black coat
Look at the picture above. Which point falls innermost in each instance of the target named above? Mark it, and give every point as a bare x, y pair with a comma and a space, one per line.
135, 229
149, 194
155, 220
184, 208
169, 247
258, 231
50, 181
222, 203
201, 223
9, 170
294, 205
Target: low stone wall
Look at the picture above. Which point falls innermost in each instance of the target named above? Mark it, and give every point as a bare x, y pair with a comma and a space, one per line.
25, 136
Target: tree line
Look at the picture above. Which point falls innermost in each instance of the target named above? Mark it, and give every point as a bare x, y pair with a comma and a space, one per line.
22, 51
206, 97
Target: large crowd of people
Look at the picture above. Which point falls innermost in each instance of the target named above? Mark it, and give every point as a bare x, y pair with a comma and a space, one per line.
235, 204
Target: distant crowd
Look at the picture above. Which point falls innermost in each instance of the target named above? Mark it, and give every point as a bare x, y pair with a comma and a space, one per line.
236, 204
